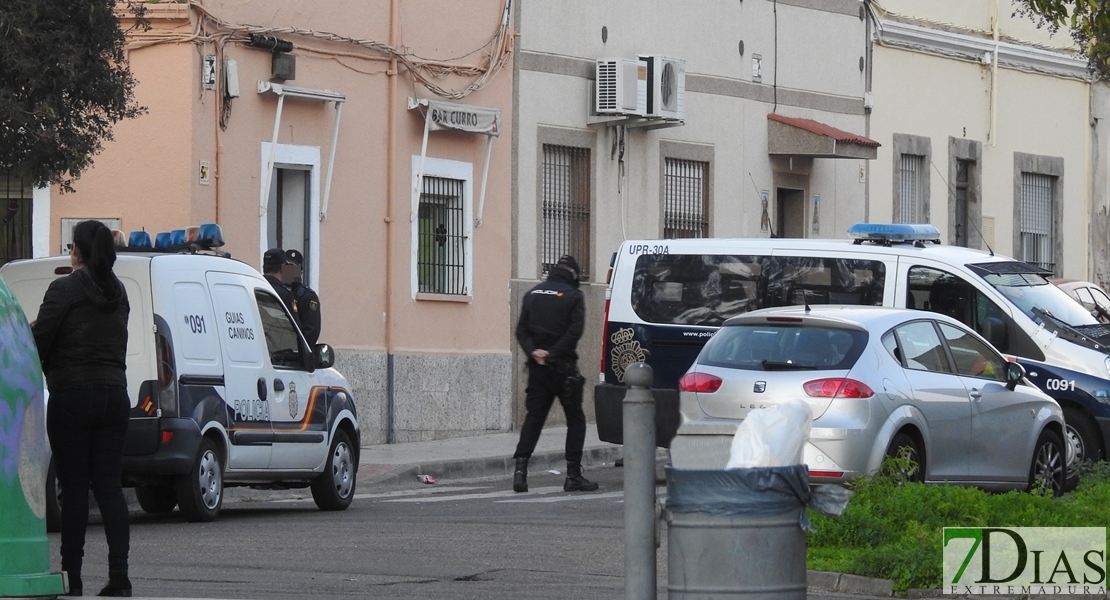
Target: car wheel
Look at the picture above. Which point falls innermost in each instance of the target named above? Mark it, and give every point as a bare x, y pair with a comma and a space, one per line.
156, 499
1046, 472
1083, 435
201, 493
903, 446
335, 487
53, 500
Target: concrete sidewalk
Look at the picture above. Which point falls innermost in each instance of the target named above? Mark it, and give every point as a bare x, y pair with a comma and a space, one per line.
476, 456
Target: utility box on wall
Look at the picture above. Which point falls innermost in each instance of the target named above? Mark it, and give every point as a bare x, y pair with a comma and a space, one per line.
283, 66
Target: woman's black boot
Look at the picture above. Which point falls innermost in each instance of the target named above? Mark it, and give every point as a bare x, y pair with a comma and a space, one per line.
74, 579
118, 585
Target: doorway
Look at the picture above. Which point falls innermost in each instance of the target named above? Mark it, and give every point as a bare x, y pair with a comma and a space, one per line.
288, 211
790, 210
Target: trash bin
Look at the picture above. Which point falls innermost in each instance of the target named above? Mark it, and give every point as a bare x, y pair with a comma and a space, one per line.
737, 533
24, 549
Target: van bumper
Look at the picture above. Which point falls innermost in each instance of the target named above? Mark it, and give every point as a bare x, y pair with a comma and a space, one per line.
609, 411
174, 457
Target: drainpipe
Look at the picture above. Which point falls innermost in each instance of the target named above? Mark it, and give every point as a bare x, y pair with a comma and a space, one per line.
390, 190
994, 82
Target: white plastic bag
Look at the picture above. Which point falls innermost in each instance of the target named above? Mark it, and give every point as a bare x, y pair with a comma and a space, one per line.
772, 437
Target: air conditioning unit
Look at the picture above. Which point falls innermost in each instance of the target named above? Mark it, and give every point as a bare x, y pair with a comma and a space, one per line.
666, 86
621, 87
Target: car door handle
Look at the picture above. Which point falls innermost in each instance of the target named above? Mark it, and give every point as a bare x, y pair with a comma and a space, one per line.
262, 388
279, 386
975, 395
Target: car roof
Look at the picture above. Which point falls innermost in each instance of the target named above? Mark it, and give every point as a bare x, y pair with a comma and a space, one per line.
842, 315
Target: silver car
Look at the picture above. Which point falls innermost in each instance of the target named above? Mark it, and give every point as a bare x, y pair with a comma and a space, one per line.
880, 382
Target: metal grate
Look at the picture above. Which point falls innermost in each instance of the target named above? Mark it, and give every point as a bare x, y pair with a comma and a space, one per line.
1037, 239
15, 217
909, 189
441, 232
606, 86
685, 199
566, 206
961, 225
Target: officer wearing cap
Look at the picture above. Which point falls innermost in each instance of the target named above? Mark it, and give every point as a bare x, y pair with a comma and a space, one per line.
306, 303
272, 262
551, 322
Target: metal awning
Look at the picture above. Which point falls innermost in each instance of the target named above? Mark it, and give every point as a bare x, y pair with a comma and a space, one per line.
806, 137
283, 91
440, 114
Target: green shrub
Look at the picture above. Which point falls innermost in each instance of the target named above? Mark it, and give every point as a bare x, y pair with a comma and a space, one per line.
892, 529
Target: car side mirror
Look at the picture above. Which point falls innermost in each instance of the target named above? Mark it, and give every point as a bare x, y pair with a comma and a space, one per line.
1014, 374
324, 355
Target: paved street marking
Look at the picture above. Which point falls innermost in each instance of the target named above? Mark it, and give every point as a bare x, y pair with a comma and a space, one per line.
568, 497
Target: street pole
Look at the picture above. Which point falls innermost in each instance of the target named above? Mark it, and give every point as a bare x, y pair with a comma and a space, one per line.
639, 484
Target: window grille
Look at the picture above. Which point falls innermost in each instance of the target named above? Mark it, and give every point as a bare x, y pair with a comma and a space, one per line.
1037, 236
441, 233
911, 168
962, 217
685, 199
565, 195
15, 217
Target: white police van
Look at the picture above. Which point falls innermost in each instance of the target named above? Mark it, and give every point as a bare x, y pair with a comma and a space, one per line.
225, 391
667, 297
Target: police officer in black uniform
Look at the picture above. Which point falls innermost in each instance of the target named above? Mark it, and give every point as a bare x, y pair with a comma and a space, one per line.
272, 262
306, 303
551, 322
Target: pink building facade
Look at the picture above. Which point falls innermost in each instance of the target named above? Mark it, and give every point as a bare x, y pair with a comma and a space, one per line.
303, 125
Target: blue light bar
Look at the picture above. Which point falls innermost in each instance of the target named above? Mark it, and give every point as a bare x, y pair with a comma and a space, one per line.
893, 232
139, 239
211, 235
162, 240
177, 237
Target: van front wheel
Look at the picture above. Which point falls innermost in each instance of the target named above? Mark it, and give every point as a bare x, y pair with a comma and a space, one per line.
335, 487
201, 493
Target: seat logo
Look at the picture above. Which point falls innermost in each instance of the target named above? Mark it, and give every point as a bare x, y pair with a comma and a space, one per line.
760, 387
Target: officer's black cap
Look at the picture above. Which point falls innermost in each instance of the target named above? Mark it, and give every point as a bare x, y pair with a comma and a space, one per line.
272, 260
569, 262
294, 257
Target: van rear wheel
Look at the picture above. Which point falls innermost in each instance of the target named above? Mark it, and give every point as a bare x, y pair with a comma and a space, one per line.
201, 493
156, 499
335, 487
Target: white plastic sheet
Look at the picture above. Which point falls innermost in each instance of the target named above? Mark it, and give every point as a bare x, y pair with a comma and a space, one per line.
772, 437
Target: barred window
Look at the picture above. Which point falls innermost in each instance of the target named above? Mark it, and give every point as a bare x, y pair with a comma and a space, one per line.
565, 195
441, 237
909, 208
1037, 235
15, 226
685, 199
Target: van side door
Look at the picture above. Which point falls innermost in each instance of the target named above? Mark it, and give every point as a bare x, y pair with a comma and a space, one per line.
298, 409
247, 372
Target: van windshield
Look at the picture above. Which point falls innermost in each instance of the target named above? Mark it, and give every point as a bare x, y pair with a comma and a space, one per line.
1030, 291
707, 289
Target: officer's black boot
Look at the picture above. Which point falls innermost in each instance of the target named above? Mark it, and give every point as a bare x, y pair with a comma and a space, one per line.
520, 476
575, 481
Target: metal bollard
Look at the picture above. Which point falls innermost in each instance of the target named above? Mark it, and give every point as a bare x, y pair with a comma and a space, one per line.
640, 518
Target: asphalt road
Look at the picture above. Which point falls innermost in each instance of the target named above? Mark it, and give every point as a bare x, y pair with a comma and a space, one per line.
455, 539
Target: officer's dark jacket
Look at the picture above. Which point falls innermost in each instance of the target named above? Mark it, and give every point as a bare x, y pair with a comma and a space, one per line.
283, 293
552, 318
307, 304
81, 332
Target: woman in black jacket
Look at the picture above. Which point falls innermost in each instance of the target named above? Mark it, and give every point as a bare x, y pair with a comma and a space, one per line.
81, 334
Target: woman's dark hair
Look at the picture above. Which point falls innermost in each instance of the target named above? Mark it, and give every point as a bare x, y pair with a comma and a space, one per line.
94, 241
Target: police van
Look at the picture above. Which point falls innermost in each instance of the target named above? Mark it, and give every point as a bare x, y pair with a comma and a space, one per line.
224, 389
666, 298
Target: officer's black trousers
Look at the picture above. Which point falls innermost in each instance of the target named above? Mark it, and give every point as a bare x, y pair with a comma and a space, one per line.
544, 384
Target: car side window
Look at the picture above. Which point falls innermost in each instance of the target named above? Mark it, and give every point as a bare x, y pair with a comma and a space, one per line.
973, 357
282, 341
891, 346
921, 347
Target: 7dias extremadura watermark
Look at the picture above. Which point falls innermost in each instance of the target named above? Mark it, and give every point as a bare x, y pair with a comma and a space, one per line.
1025, 560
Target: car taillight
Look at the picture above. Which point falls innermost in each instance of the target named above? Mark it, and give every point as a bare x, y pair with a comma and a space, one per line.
167, 436
604, 339
703, 383
167, 372
837, 387
826, 473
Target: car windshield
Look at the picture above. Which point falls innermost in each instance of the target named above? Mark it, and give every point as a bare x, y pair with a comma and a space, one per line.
776, 347
1029, 291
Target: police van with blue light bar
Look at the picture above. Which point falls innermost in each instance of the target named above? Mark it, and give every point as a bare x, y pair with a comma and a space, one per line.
225, 390
666, 298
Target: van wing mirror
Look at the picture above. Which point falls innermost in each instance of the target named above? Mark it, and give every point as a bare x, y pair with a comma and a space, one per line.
324, 356
1014, 374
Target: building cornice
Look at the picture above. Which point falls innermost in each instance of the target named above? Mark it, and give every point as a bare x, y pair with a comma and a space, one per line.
980, 50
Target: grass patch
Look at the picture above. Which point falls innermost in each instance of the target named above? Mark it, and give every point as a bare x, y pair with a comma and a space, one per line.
892, 529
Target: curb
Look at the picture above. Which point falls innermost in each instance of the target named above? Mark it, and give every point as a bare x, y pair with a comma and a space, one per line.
844, 583
468, 468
